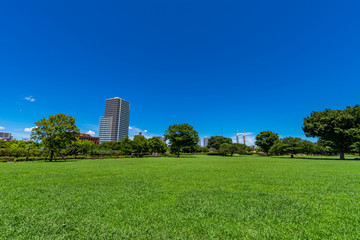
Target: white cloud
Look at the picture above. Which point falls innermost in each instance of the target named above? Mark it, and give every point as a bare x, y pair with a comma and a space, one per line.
30, 98
28, 130
135, 131
91, 133
2, 128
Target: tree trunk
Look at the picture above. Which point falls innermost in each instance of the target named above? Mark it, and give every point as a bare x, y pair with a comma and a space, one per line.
178, 152
342, 156
292, 155
51, 155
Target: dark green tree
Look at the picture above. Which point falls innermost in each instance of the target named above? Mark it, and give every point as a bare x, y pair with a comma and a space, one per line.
356, 147
55, 132
231, 148
216, 141
340, 128
265, 140
181, 135
156, 146
308, 147
288, 145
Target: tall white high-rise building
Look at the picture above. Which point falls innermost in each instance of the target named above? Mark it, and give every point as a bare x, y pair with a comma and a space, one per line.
206, 141
114, 125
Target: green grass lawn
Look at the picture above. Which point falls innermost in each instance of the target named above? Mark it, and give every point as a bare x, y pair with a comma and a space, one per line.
194, 197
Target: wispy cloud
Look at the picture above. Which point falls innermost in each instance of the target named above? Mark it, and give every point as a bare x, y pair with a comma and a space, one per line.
28, 130
30, 98
2, 128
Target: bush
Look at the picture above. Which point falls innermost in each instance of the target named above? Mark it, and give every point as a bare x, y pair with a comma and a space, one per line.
6, 159
4, 152
22, 159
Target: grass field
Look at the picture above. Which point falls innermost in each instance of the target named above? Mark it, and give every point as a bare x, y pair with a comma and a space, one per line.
195, 197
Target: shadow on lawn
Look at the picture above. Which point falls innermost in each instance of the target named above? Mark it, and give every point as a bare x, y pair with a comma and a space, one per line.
321, 158
63, 160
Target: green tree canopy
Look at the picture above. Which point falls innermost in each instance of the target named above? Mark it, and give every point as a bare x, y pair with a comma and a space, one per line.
356, 147
265, 140
216, 141
339, 128
288, 145
56, 132
156, 145
181, 135
126, 146
231, 148
140, 145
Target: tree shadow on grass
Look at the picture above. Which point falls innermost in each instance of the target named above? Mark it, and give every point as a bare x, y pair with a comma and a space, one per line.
63, 160
321, 158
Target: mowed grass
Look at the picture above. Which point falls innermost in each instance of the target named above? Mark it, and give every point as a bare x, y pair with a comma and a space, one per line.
195, 197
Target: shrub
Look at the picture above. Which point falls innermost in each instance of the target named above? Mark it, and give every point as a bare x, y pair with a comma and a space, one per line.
6, 159
4, 152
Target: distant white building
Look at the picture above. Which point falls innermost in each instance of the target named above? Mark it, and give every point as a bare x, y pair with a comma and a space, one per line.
6, 136
206, 141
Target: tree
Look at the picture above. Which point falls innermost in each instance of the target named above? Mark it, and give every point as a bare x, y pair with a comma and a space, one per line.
308, 147
216, 141
126, 146
288, 145
265, 140
181, 135
4, 144
225, 149
356, 147
231, 148
339, 128
156, 145
140, 145
56, 132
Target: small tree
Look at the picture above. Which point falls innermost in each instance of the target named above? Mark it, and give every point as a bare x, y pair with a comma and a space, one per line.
339, 128
231, 148
291, 145
216, 141
126, 146
265, 140
56, 132
181, 135
308, 147
156, 145
356, 147
140, 145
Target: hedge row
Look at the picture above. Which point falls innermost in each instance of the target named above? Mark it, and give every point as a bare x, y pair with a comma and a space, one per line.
59, 158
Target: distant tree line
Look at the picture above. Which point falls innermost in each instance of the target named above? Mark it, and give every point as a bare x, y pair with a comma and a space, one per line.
338, 132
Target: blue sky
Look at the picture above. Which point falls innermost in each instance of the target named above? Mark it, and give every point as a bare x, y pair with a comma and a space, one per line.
230, 65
